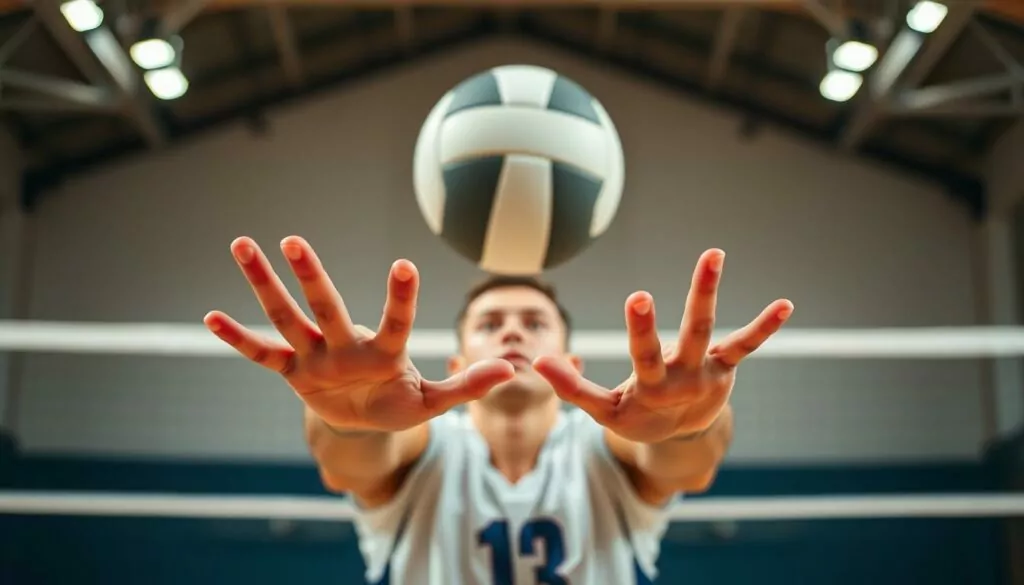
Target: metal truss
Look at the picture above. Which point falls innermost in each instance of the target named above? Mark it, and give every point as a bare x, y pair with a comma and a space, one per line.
992, 95
114, 86
28, 91
894, 88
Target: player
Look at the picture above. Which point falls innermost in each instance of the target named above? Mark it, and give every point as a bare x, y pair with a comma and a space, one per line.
513, 489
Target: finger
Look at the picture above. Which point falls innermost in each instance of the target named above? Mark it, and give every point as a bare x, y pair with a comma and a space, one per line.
470, 384
282, 310
735, 347
270, 354
399, 308
324, 300
570, 386
644, 345
699, 313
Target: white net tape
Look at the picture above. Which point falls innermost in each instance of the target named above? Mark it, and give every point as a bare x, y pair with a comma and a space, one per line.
194, 340
697, 509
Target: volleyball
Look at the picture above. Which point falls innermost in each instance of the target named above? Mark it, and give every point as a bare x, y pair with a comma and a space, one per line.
518, 169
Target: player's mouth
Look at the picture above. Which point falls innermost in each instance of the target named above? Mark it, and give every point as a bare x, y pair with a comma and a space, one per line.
516, 359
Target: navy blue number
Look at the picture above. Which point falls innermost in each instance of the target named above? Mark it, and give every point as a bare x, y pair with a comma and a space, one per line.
495, 535
554, 549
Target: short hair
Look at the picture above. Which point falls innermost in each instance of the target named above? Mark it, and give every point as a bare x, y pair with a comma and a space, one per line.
503, 281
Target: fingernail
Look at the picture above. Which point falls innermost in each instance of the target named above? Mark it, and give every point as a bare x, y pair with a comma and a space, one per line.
292, 251
785, 313
642, 307
244, 254
402, 272
717, 261
475, 371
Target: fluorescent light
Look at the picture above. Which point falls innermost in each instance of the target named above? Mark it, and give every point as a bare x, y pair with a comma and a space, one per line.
82, 15
855, 56
167, 84
926, 16
152, 53
839, 85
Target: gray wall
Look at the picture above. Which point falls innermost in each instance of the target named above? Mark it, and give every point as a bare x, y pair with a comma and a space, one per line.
851, 244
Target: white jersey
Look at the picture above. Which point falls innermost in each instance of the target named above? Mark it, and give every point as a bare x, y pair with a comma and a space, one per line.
457, 521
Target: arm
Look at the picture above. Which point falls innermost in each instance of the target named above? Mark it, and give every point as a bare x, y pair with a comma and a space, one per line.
348, 376
683, 463
670, 423
370, 465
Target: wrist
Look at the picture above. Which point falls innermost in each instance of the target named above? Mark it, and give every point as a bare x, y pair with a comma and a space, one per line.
323, 427
689, 435
350, 431
693, 435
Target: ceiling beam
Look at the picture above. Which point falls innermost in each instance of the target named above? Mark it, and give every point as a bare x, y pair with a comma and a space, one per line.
76, 95
405, 26
287, 47
725, 41
929, 98
1007, 9
832, 21
516, 4
607, 24
905, 65
177, 16
163, 6
101, 59
979, 96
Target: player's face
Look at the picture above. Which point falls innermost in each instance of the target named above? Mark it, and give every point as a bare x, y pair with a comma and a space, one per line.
517, 324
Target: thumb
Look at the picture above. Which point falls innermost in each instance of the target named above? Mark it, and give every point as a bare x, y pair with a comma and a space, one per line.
570, 386
470, 384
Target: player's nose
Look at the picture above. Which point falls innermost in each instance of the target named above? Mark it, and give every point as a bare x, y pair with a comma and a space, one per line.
511, 334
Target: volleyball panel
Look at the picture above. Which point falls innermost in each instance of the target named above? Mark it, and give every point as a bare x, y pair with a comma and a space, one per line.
569, 97
469, 198
428, 181
614, 178
501, 130
479, 90
525, 85
574, 196
520, 222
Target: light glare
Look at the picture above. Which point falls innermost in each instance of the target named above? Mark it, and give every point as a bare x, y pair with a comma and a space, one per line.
926, 16
840, 86
82, 15
152, 53
855, 56
167, 84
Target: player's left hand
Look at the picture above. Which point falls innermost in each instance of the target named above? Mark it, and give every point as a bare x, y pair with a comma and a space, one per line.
681, 389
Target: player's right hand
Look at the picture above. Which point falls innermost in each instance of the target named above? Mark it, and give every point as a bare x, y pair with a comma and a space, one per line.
353, 378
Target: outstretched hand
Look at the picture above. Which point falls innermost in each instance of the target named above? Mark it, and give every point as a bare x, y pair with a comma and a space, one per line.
350, 376
679, 390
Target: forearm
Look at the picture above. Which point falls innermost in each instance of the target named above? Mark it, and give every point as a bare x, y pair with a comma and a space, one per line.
688, 463
361, 462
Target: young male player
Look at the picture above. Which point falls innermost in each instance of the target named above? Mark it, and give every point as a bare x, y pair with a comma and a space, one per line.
515, 490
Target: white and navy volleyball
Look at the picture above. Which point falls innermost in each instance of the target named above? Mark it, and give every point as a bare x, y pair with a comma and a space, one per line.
518, 169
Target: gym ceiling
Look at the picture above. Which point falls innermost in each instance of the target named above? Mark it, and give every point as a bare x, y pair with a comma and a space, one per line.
932, 104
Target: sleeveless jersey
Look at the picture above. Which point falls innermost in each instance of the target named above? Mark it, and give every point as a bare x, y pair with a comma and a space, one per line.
574, 519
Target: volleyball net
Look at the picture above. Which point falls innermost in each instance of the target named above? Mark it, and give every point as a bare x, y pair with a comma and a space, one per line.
134, 339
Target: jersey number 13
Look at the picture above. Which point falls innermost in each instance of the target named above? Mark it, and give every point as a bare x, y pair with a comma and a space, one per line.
496, 536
